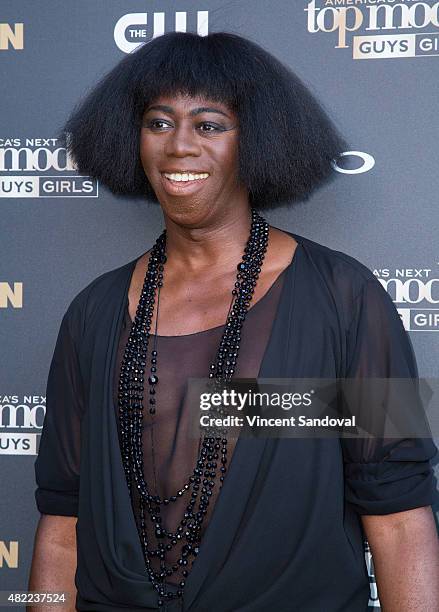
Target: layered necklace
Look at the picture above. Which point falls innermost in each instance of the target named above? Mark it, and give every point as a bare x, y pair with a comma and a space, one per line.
212, 450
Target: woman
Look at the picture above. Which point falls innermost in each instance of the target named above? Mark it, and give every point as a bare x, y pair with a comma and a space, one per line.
224, 131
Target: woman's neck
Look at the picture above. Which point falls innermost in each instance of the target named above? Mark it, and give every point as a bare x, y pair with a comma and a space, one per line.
195, 250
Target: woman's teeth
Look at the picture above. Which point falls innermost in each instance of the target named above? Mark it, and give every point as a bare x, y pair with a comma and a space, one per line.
186, 177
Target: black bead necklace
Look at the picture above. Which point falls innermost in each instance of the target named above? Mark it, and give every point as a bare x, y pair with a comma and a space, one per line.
212, 448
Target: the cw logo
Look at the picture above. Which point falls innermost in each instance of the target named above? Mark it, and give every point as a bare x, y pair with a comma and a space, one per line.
13, 37
131, 25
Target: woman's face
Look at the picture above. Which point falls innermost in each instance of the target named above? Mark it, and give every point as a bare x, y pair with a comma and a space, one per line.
191, 138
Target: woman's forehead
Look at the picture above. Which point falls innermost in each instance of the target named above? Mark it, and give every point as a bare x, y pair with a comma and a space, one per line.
188, 101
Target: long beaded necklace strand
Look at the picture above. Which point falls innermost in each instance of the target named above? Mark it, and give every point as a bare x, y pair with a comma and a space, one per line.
130, 400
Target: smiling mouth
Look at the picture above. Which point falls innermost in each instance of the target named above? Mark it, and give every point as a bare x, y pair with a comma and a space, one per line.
183, 184
185, 177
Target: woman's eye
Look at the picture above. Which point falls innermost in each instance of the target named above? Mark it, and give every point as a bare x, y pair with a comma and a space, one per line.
160, 124
212, 127
153, 124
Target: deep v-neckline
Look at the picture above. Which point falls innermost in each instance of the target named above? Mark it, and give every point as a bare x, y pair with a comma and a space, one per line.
129, 320
253, 308
250, 458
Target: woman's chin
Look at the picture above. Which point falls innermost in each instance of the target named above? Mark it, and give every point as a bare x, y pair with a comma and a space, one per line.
187, 214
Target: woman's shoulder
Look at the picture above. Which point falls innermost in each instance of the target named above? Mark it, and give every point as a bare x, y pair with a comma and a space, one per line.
329, 275
99, 290
334, 266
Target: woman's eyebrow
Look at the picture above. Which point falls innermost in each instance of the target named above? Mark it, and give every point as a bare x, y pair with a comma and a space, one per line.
194, 111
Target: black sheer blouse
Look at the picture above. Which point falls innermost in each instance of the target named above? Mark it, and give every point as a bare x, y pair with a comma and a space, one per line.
284, 532
175, 450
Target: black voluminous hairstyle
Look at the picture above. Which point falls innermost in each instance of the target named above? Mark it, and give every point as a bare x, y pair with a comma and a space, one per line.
286, 139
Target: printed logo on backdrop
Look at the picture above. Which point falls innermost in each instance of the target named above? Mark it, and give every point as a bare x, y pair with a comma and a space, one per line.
21, 422
359, 162
11, 294
8, 554
415, 292
39, 168
11, 36
377, 30
135, 29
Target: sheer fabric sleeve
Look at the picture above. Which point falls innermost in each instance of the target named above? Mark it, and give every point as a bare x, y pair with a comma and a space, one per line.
383, 476
57, 464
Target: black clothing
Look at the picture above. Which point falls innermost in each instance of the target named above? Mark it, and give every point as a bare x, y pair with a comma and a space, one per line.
175, 450
285, 532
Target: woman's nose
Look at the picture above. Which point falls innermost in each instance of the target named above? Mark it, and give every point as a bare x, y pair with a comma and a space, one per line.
182, 141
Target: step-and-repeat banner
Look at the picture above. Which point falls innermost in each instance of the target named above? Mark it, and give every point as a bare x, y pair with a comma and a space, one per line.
375, 67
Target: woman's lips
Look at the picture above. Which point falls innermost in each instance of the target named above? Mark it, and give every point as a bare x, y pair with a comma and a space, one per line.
181, 187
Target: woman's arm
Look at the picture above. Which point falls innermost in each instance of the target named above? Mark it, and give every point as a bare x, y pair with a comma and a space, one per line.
54, 561
405, 552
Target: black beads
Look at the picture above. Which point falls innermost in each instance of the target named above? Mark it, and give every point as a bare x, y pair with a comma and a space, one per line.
210, 467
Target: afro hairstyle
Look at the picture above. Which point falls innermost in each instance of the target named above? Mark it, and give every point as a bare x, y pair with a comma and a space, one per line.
287, 142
